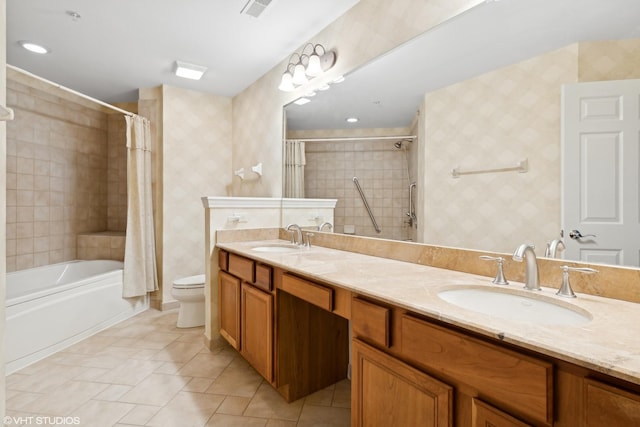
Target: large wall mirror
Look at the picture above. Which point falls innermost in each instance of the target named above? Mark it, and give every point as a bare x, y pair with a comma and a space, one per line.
461, 133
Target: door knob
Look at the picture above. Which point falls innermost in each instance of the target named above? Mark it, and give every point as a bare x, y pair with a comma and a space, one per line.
577, 235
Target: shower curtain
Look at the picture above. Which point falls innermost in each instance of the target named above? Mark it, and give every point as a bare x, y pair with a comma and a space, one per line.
140, 274
294, 169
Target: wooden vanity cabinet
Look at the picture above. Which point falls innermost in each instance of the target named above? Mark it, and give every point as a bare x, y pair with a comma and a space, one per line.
246, 309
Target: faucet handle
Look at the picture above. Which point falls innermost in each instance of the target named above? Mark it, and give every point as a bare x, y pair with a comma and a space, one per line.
565, 289
308, 239
499, 279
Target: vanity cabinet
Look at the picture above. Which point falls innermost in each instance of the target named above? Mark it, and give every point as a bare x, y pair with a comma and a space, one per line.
293, 331
246, 309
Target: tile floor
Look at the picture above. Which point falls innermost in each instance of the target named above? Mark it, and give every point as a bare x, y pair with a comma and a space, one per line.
147, 372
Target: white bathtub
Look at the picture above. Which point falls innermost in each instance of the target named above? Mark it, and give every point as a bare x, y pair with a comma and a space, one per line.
51, 307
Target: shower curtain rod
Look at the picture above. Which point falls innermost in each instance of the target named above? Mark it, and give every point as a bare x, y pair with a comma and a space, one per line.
353, 138
66, 89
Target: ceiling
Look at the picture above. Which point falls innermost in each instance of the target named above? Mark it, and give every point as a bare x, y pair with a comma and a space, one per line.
119, 46
387, 92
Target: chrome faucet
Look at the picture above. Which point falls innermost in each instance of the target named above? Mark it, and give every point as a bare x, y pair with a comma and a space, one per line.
295, 238
532, 278
553, 247
326, 223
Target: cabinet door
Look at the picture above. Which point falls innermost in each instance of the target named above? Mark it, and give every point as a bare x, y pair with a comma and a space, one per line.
257, 329
487, 416
229, 308
610, 406
388, 392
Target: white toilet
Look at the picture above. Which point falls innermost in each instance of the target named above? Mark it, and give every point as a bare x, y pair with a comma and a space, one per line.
190, 292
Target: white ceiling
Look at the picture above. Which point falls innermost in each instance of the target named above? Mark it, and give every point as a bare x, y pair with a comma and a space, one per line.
387, 92
118, 46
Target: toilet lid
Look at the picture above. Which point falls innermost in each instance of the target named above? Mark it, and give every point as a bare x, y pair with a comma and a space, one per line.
190, 282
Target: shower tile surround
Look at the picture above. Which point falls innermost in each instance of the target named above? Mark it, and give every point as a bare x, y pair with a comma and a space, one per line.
383, 172
57, 172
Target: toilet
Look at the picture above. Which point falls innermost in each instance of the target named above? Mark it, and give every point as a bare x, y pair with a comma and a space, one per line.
189, 291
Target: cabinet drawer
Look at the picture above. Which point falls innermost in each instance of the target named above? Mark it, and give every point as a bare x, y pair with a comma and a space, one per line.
521, 384
263, 277
370, 322
313, 293
223, 260
486, 415
242, 267
610, 406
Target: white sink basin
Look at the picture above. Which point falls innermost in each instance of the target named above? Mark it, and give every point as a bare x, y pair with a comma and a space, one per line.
510, 305
277, 248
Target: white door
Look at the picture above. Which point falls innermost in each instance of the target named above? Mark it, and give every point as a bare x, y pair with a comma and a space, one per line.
600, 181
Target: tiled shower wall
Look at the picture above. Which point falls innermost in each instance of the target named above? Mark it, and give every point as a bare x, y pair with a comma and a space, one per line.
57, 161
117, 173
383, 175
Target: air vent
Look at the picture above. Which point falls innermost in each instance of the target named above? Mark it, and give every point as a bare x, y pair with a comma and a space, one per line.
255, 7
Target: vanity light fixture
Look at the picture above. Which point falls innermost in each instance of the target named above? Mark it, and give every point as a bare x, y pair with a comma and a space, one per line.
312, 62
34, 47
189, 71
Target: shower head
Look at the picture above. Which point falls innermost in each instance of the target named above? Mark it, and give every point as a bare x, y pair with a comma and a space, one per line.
398, 144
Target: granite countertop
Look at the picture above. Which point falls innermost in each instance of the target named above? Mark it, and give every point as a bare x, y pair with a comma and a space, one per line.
608, 343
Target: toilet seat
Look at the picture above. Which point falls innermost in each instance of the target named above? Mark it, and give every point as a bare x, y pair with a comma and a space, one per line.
190, 282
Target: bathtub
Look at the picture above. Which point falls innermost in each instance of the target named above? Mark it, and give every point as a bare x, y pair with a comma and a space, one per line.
52, 307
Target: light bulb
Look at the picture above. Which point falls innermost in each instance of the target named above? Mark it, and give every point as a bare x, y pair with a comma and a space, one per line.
314, 68
286, 84
299, 77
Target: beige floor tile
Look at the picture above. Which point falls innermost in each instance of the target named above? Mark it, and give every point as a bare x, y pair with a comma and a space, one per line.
198, 385
19, 399
91, 374
237, 380
206, 365
221, 420
233, 405
322, 397
179, 352
281, 423
140, 415
186, 410
91, 345
114, 392
65, 399
156, 390
169, 368
313, 416
97, 413
47, 381
150, 341
342, 394
267, 403
130, 373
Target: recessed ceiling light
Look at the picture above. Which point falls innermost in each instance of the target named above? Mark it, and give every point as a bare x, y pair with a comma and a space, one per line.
33, 47
352, 119
301, 101
339, 79
189, 71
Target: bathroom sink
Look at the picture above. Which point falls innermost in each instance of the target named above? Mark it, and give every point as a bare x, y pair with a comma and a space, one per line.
277, 248
510, 305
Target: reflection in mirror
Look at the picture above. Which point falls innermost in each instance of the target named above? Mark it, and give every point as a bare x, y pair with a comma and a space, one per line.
487, 88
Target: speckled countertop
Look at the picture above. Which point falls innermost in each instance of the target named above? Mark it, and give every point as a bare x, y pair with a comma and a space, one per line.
609, 343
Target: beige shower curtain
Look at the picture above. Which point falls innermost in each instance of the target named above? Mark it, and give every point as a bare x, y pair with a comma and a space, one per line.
294, 161
140, 256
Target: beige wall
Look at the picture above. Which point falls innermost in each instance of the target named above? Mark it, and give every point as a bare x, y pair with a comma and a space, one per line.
367, 30
194, 160
56, 173
3, 185
496, 120
117, 173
